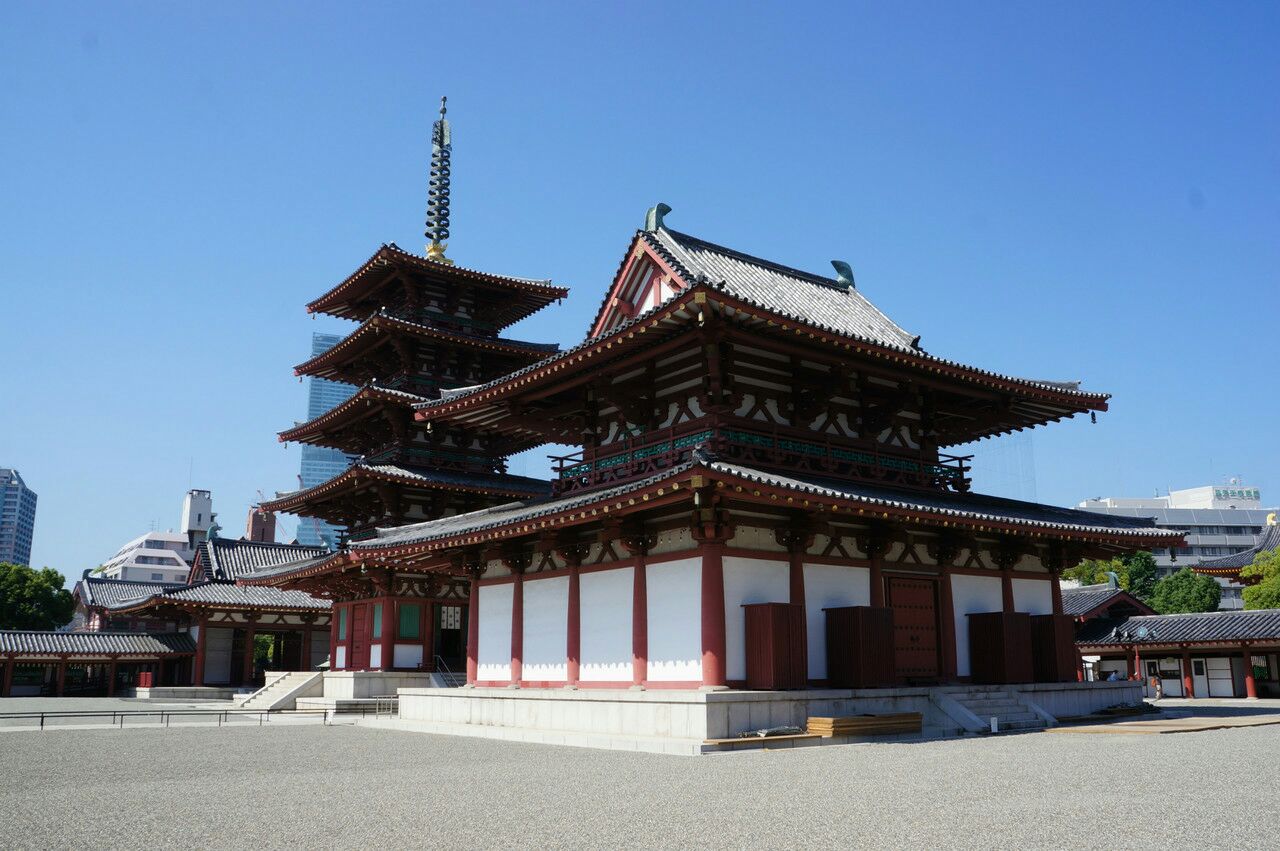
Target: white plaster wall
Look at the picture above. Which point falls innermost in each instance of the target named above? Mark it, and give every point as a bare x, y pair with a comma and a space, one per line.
406, 656
748, 580
342, 657
217, 656
829, 586
675, 619
970, 595
546, 623
1033, 595
493, 656
375, 655
605, 624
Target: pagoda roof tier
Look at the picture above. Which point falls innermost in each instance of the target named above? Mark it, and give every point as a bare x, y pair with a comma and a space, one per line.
369, 401
365, 291
504, 405
430, 543
354, 360
362, 475
1230, 565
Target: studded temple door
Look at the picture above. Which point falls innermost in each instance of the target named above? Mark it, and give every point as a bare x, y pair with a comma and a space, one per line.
915, 627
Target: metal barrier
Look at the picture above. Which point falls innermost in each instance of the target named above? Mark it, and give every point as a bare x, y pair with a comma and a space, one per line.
166, 715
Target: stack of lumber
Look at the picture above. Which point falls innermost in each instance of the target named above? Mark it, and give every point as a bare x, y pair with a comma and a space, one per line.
896, 724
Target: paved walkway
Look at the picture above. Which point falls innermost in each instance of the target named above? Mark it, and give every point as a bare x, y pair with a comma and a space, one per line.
353, 787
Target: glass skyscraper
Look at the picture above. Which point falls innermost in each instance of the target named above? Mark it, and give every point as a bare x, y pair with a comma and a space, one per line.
17, 517
319, 463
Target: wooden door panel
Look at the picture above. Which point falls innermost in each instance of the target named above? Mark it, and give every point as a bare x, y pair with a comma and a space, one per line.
915, 627
359, 639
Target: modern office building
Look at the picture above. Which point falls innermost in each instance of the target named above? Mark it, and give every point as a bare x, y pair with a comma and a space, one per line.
1219, 520
17, 517
320, 463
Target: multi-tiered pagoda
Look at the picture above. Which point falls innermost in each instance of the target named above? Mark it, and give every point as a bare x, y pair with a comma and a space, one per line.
426, 328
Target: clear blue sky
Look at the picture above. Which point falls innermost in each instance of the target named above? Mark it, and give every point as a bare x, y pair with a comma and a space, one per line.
1050, 190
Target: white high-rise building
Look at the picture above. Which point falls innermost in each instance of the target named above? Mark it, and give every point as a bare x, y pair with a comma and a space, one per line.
1219, 520
153, 557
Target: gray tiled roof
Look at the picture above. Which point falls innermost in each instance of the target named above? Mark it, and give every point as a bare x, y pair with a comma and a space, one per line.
102, 591
1085, 599
790, 292
1270, 540
971, 506
968, 505
95, 643
248, 596
1204, 627
224, 558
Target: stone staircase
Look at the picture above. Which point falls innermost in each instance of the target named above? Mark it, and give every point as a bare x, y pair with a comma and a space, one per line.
448, 679
282, 691
1013, 713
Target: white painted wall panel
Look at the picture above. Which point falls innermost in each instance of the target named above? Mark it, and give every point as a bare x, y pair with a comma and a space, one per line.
675, 619
342, 657
748, 580
375, 656
217, 656
829, 586
605, 623
546, 629
407, 655
1034, 596
971, 595
493, 656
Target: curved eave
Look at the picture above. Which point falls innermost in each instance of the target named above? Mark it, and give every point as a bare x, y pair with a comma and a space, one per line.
681, 481
355, 477
1061, 402
154, 602
391, 258
337, 560
355, 408
371, 329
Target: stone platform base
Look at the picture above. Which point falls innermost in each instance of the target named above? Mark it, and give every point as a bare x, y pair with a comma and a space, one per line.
354, 685
671, 721
189, 692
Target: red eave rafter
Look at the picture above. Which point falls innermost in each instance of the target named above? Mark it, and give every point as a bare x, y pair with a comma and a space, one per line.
352, 476
389, 255
699, 294
366, 394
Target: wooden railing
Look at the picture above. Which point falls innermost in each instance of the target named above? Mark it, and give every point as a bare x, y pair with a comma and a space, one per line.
777, 448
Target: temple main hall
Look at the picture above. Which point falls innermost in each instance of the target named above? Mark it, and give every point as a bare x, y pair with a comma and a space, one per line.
763, 497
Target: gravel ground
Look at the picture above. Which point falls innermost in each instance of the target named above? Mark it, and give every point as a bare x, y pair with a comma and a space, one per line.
318, 787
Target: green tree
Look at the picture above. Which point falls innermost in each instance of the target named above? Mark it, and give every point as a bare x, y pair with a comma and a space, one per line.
1185, 591
33, 599
1266, 569
1140, 569
1094, 572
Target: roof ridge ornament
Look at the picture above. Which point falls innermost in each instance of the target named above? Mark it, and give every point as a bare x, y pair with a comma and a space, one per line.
653, 217
844, 274
438, 188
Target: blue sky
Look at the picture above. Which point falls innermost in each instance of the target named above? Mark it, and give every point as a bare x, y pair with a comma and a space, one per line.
1058, 191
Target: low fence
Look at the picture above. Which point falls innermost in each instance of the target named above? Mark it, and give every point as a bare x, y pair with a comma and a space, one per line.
163, 717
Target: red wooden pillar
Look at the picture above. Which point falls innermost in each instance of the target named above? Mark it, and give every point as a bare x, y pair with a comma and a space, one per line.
428, 635
197, 675
639, 618
1250, 686
517, 625
473, 628
1130, 658
1055, 585
111, 678
335, 620
390, 626
573, 637
877, 580
713, 629
246, 668
1188, 681
62, 676
6, 687
1006, 590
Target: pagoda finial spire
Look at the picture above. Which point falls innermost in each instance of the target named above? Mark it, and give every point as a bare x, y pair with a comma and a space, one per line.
437, 232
